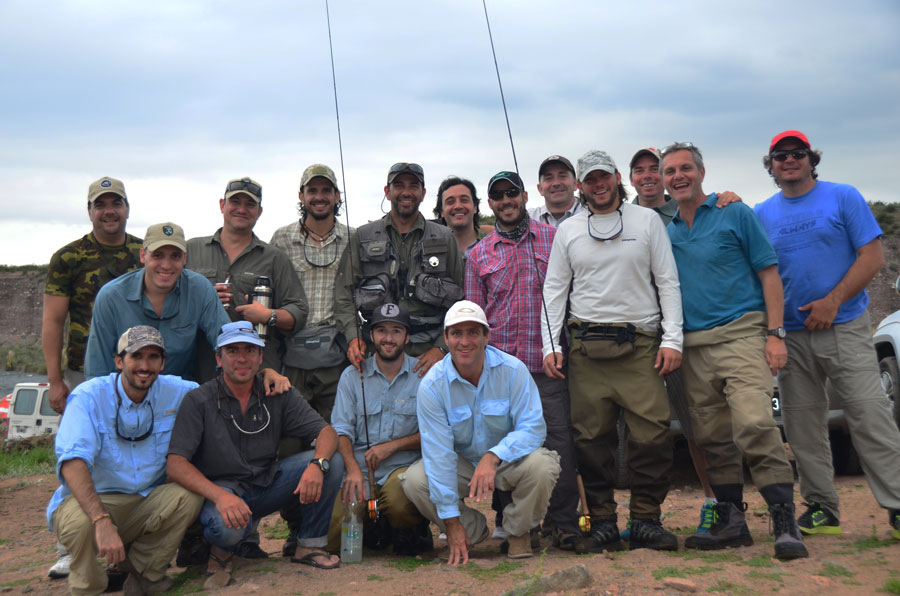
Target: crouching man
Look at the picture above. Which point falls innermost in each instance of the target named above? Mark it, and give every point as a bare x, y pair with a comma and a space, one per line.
224, 445
112, 501
482, 426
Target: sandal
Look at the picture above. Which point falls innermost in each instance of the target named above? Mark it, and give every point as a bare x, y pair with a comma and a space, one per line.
218, 578
309, 559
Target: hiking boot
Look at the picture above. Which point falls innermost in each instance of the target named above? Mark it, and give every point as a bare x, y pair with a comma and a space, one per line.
707, 517
649, 533
564, 539
604, 537
534, 533
788, 543
894, 520
729, 529
138, 585
520, 546
818, 520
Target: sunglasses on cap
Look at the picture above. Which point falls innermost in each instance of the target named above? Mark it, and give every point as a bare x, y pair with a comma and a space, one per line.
496, 195
245, 184
797, 154
403, 166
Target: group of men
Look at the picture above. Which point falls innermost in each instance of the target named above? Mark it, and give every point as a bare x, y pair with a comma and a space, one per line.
455, 361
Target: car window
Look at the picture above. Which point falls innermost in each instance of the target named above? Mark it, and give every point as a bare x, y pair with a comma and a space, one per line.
46, 410
25, 402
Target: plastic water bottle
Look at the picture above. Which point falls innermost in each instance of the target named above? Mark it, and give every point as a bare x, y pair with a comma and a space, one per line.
351, 536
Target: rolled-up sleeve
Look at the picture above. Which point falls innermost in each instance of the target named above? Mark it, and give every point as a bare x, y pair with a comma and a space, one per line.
343, 416
78, 436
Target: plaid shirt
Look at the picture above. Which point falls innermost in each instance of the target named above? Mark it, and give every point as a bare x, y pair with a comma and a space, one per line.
502, 277
318, 282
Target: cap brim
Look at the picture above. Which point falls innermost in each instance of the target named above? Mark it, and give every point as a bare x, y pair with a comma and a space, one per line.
243, 339
144, 344
160, 243
603, 167
232, 193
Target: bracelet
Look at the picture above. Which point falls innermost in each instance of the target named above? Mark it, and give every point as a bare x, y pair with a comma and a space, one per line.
99, 517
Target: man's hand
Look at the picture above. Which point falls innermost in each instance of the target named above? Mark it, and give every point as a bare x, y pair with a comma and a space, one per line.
776, 354
59, 391
821, 313
109, 544
354, 489
225, 296
458, 542
234, 511
667, 360
310, 486
356, 352
275, 383
553, 364
726, 198
254, 312
427, 360
377, 454
482, 482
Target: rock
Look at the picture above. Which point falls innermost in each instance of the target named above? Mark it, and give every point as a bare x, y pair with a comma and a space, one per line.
6, 589
680, 584
250, 588
573, 578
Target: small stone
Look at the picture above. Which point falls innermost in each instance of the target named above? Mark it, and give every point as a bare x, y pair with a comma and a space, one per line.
251, 588
680, 584
6, 589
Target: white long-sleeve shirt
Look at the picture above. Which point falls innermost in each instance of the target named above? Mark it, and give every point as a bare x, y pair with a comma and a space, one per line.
613, 281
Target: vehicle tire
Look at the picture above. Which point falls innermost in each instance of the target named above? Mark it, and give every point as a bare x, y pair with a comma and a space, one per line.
844, 456
890, 381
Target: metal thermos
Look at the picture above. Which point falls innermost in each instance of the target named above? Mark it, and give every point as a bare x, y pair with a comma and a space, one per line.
262, 293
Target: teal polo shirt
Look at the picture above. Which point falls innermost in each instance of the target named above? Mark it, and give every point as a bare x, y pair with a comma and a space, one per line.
718, 260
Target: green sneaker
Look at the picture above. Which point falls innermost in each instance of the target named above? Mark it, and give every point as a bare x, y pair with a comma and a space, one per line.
707, 517
818, 520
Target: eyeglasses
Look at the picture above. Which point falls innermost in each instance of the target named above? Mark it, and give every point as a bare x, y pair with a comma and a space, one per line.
245, 184
253, 418
496, 195
403, 166
797, 154
606, 235
118, 406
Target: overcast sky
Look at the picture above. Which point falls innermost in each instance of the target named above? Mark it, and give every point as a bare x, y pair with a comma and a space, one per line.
177, 97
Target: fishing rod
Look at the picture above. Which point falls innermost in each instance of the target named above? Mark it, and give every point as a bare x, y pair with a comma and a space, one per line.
371, 502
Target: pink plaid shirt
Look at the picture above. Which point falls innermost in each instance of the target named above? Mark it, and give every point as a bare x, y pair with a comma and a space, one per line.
502, 277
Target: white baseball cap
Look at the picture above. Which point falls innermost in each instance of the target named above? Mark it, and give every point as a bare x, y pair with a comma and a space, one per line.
464, 311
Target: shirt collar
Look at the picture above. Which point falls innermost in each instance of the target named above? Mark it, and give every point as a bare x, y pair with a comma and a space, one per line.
370, 368
419, 225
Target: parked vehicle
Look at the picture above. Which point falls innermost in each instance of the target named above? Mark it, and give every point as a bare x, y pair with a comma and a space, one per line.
30, 413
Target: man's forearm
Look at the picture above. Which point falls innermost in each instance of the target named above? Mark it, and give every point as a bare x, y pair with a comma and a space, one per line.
869, 261
187, 475
78, 478
408, 443
773, 294
53, 321
345, 448
326, 442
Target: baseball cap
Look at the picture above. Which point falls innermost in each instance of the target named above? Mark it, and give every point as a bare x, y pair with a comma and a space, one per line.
239, 332
164, 234
317, 169
595, 160
406, 168
641, 153
106, 185
245, 185
390, 313
140, 336
555, 159
789, 134
510, 177
464, 311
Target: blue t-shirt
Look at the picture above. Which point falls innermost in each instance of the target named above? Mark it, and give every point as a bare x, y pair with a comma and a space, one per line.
816, 236
719, 259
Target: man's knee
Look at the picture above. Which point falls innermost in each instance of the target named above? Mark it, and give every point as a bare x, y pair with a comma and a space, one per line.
414, 481
72, 525
541, 466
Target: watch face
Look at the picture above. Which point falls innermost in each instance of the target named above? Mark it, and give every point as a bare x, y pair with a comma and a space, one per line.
324, 464
778, 332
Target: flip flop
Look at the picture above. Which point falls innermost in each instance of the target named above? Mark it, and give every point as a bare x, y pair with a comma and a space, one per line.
309, 559
220, 577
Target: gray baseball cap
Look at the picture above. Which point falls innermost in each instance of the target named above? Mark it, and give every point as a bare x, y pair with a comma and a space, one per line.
595, 160
139, 337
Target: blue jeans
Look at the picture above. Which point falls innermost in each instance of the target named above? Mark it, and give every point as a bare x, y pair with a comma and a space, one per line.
263, 501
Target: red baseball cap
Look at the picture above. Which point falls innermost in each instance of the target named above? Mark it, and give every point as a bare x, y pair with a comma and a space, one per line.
788, 134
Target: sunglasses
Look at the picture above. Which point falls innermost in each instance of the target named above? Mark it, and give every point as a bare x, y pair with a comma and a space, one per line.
678, 147
245, 184
403, 166
797, 154
132, 439
496, 195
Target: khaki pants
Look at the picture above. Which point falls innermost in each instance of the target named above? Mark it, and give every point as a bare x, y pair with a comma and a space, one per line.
729, 388
599, 390
151, 528
399, 511
531, 480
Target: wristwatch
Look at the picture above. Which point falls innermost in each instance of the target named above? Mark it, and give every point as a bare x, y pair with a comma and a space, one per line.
323, 464
273, 318
778, 332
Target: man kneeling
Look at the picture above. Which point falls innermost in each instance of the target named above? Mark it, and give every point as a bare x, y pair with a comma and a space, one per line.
482, 426
224, 445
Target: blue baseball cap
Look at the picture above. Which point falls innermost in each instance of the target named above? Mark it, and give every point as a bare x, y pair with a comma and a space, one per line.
239, 332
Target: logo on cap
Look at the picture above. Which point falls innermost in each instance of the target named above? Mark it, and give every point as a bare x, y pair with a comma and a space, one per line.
388, 310
168, 231
106, 184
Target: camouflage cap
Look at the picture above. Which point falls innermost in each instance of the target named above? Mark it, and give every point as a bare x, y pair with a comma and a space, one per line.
139, 337
595, 160
164, 234
389, 313
106, 185
245, 185
641, 153
317, 169
404, 167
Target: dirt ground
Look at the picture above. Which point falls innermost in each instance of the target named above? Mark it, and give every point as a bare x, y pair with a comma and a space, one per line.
860, 561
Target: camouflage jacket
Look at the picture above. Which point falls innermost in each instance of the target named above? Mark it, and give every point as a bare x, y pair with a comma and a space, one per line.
77, 271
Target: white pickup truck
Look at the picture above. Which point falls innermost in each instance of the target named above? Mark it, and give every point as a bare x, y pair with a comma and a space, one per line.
30, 413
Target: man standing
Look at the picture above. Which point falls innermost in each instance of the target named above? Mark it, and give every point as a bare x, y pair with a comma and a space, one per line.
482, 428
112, 502
386, 408
224, 445
731, 294
403, 259
316, 355
610, 262
829, 335
457, 208
505, 275
556, 183
235, 253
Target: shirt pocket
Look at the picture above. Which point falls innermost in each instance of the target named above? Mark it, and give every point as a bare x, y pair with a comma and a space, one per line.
496, 277
463, 427
373, 415
209, 273
496, 416
405, 421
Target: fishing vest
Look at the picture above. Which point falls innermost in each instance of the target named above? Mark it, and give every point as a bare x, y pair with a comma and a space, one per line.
426, 280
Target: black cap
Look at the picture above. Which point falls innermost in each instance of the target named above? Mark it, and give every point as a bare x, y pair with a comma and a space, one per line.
555, 159
390, 313
510, 177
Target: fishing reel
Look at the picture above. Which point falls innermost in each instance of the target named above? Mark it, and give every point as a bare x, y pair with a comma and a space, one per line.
584, 524
372, 509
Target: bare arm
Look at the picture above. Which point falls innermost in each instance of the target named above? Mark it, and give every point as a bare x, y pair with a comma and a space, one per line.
353, 489
773, 294
234, 511
78, 478
56, 308
380, 452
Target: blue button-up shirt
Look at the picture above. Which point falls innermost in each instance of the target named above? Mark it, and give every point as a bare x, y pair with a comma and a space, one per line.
191, 307
390, 409
88, 432
502, 415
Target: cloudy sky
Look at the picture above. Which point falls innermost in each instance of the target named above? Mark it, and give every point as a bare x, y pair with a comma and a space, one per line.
177, 97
